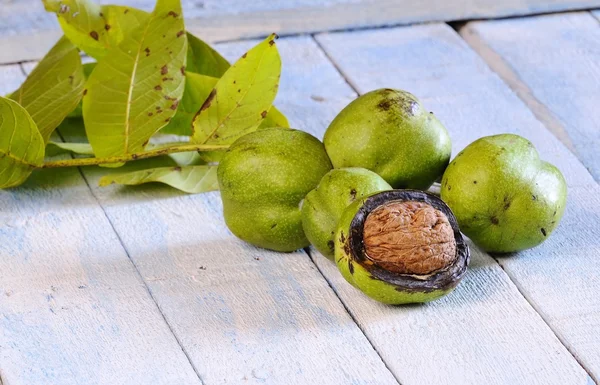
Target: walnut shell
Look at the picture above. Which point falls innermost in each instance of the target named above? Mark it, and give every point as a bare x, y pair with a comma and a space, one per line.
409, 238
401, 246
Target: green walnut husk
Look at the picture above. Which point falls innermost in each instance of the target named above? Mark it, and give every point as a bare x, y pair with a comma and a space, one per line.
263, 177
323, 206
389, 132
505, 198
414, 269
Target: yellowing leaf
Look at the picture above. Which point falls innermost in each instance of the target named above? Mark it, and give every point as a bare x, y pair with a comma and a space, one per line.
274, 119
203, 59
135, 89
121, 22
241, 98
21, 145
87, 71
190, 179
54, 87
82, 23
94, 28
197, 89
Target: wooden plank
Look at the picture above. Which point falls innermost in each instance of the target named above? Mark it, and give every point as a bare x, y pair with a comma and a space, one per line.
26, 31
11, 78
515, 345
241, 313
73, 309
566, 84
554, 59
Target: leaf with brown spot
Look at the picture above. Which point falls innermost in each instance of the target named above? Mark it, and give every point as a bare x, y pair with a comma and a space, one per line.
204, 60
197, 91
54, 88
93, 28
121, 88
232, 114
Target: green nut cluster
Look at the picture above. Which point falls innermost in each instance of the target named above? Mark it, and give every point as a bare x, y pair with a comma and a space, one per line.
389, 132
283, 190
504, 196
263, 177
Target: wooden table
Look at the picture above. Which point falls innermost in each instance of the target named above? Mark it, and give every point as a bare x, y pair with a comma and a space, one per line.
147, 286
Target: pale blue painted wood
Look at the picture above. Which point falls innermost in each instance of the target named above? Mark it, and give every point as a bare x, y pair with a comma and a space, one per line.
558, 58
558, 278
26, 31
246, 315
73, 310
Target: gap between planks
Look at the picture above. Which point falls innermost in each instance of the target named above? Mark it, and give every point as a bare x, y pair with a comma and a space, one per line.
137, 271
309, 254
498, 65
504, 70
540, 111
31, 44
544, 114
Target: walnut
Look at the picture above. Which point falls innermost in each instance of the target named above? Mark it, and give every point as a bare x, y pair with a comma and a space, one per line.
409, 238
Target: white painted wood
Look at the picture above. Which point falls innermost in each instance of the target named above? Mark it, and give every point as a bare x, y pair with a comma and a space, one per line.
435, 64
11, 77
242, 314
27, 32
557, 58
564, 289
73, 310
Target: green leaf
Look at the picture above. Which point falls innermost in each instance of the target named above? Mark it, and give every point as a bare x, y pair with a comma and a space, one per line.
87, 71
54, 87
135, 89
94, 28
82, 23
241, 98
72, 130
76, 148
187, 158
21, 145
197, 89
203, 59
122, 22
204, 67
190, 179
274, 119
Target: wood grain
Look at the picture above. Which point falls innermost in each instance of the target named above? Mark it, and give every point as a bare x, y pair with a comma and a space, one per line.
555, 58
73, 310
26, 31
242, 314
435, 64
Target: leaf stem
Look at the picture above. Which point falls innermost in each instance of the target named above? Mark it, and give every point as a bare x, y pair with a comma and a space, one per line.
129, 157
